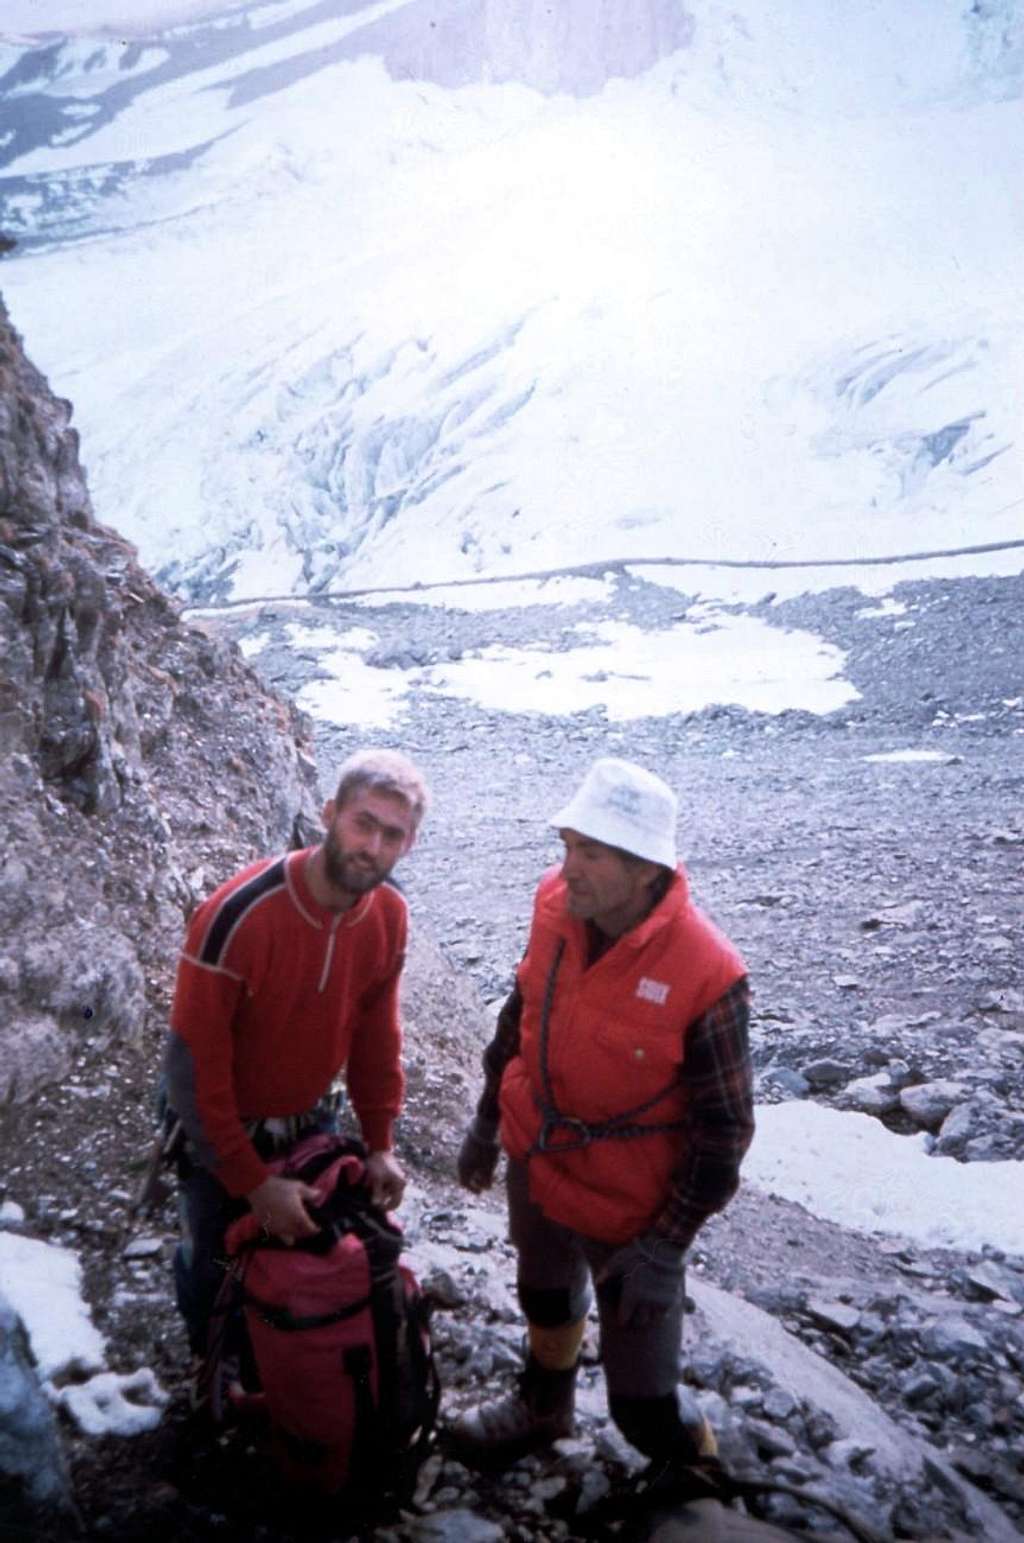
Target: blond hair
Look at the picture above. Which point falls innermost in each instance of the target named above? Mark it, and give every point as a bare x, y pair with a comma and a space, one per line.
384, 771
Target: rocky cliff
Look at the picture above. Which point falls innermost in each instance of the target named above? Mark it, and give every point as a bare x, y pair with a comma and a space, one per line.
141, 761
139, 757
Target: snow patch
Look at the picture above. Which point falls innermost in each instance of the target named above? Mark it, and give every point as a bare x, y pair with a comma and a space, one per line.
888, 607
356, 638
354, 692
114, 1403
914, 757
253, 644
503, 595
633, 673
849, 1169
43, 1283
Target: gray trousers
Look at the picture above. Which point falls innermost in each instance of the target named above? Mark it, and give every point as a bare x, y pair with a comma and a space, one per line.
555, 1266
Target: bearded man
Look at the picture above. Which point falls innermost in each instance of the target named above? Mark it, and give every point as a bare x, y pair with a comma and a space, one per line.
289, 978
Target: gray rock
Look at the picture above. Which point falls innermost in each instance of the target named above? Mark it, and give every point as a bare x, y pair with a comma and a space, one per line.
919, 1387
874, 1095
144, 1248
778, 1404
443, 1289
457, 1525
11, 1215
779, 1298
928, 1103
822, 1429
848, 1453
547, 1489
992, 1281
955, 1129
825, 1073
479, 1364
35, 1480
798, 1469
74, 980
771, 1440
833, 1315
788, 1080
952, 1339
871, 1331
743, 1396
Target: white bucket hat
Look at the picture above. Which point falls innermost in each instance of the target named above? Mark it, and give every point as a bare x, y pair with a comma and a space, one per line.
624, 806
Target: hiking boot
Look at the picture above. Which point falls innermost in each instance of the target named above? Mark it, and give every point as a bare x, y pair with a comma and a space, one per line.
539, 1412
684, 1475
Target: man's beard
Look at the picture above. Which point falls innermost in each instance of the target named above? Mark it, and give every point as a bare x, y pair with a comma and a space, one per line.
355, 875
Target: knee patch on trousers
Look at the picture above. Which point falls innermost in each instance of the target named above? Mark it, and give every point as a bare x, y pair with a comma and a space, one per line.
551, 1306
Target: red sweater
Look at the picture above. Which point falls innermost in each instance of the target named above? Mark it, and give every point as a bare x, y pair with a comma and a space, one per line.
275, 995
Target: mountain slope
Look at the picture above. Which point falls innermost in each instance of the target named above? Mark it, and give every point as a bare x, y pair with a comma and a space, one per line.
400, 301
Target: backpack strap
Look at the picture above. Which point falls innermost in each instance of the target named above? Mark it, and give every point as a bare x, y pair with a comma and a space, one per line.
283, 1317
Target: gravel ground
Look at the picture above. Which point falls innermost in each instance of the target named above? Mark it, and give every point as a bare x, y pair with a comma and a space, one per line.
857, 891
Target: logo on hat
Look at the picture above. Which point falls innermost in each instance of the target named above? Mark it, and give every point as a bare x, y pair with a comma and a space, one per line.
628, 801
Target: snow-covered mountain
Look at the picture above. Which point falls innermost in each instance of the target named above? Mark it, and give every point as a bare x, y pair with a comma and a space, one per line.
350, 294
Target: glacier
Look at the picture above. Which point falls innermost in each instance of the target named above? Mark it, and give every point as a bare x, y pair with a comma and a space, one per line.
357, 295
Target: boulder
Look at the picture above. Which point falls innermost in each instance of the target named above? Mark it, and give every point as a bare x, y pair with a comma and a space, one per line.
837, 1316
36, 1488
952, 1339
869, 1095
928, 1103
824, 1073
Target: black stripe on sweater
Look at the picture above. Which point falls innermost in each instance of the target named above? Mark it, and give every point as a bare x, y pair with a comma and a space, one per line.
235, 906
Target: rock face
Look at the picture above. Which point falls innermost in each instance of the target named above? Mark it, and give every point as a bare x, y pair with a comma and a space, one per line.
139, 758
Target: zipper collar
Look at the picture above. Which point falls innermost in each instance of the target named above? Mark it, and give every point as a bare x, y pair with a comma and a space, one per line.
320, 916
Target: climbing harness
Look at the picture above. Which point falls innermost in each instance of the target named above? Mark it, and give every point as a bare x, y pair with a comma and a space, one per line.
580, 1133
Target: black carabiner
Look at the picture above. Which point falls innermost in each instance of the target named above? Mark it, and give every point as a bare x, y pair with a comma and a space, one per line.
555, 1122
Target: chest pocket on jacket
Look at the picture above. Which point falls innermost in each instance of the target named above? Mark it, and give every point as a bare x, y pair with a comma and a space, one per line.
633, 1059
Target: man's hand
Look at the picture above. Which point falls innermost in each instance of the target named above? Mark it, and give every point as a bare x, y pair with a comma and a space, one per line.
651, 1272
478, 1156
279, 1208
385, 1180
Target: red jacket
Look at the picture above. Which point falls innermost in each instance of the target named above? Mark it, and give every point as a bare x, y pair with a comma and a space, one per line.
274, 996
616, 1039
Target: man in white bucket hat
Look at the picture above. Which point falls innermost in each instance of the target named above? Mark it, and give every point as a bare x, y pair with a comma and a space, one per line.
620, 1080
